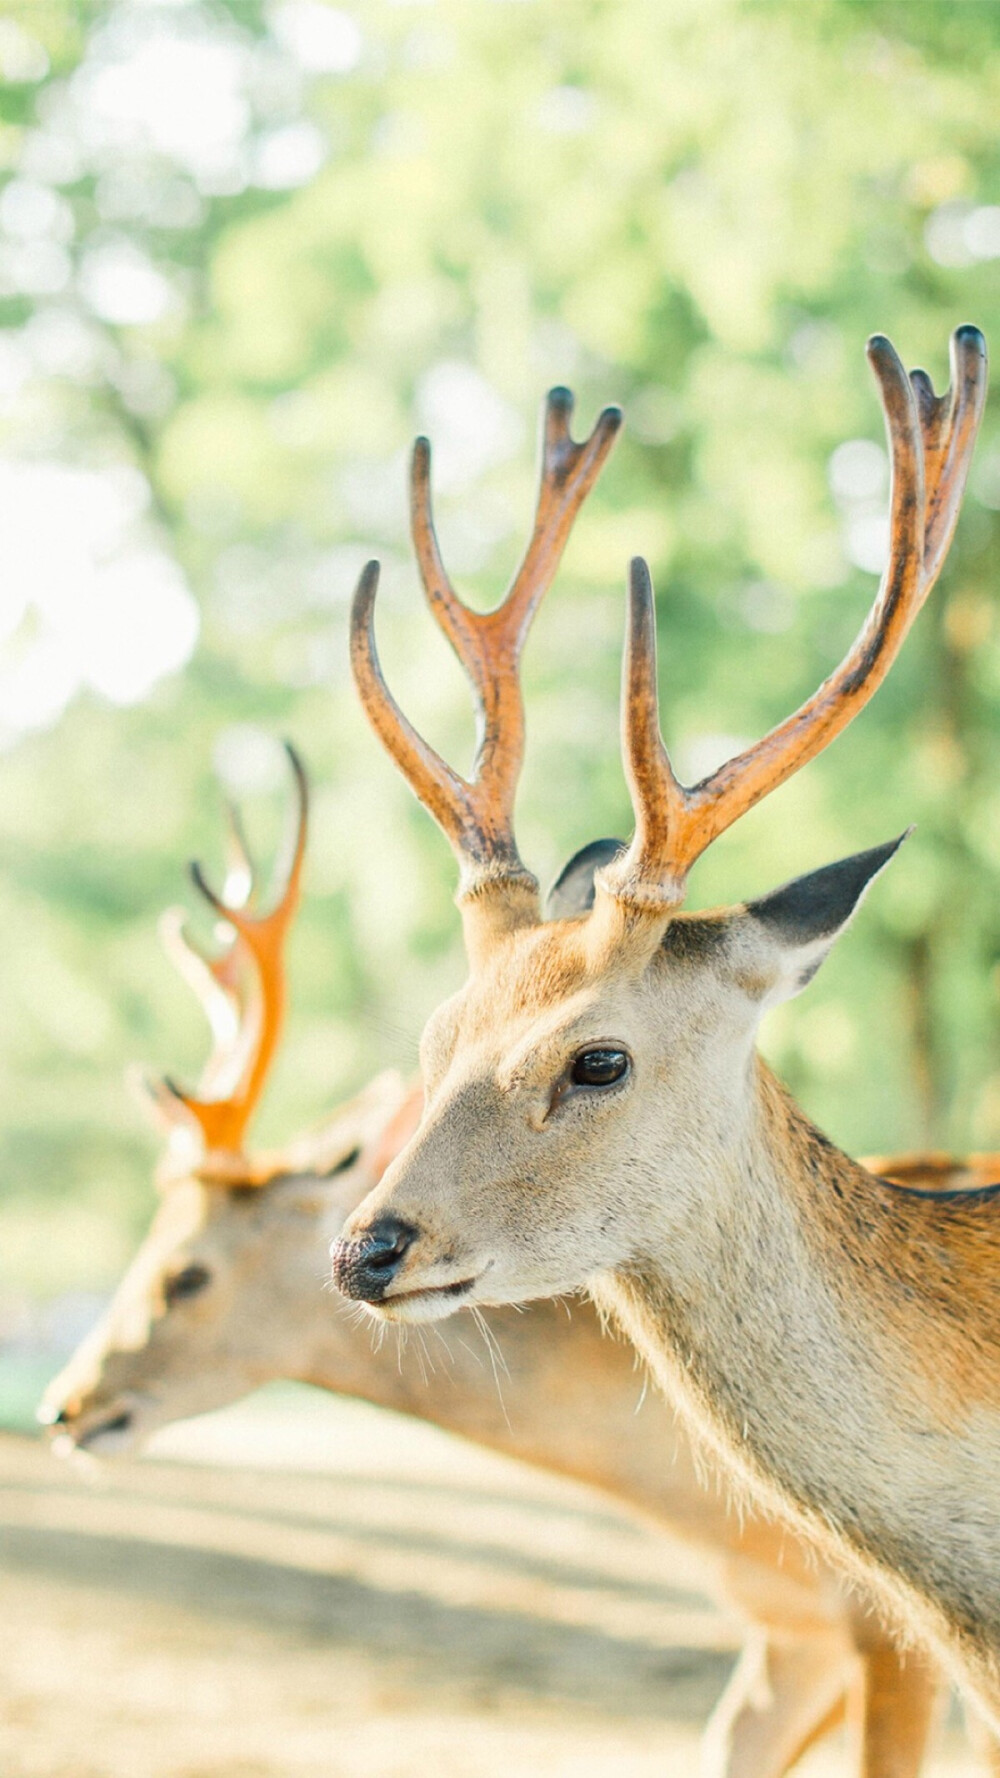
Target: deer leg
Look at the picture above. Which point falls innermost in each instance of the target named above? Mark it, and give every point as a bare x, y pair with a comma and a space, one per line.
985, 1743
781, 1698
892, 1710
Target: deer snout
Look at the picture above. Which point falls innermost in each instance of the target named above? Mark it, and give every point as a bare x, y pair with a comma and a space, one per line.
88, 1425
52, 1416
59, 1406
364, 1267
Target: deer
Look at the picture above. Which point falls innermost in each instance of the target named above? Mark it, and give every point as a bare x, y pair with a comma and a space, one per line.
225, 1294
597, 1116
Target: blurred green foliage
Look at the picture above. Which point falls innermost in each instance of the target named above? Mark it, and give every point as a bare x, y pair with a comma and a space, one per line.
427, 216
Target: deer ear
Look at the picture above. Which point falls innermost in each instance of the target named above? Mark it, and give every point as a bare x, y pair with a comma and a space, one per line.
572, 893
800, 922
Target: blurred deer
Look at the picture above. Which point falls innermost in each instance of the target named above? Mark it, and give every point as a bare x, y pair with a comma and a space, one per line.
597, 1114
225, 1293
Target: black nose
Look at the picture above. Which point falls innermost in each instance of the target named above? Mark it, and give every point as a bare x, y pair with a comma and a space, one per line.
366, 1267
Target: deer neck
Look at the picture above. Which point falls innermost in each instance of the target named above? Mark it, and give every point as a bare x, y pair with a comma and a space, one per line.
798, 1311
546, 1385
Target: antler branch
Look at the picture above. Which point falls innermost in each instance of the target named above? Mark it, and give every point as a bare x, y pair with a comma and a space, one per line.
243, 991
931, 440
476, 814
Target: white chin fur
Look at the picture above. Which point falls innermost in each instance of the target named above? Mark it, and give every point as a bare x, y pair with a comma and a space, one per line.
101, 1440
99, 1445
110, 1444
410, 1310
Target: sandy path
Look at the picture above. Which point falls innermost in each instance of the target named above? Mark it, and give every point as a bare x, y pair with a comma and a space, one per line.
426, 1609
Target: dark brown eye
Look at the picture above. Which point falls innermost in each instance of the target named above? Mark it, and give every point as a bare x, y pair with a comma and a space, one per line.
186, 1283
346, 1162
599, 1067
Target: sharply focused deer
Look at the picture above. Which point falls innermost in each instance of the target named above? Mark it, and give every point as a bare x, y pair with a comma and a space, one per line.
225, 1294
596, 1113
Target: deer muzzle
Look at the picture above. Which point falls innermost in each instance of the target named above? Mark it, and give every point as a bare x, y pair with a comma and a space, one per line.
365, 1267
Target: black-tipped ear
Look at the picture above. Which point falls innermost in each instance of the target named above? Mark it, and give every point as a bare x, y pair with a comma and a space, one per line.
572, 892
801, 920
818, 905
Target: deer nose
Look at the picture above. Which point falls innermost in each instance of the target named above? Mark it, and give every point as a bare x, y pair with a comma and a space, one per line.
364, 1268
47, 1416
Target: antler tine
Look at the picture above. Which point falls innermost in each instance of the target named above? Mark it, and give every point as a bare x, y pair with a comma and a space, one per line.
568, 472
214, 981
443, 793
241, 876
292, 857
659, 800
285, 894
674, 825
251, 975
949, 424
448, 609
477, 814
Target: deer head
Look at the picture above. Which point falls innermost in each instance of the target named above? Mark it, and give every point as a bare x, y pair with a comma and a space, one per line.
211, 1305
587, 1090
225, 1292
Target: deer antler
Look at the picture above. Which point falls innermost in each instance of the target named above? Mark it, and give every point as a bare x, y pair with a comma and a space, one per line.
477, 814
216, 982
931, 440
243, 991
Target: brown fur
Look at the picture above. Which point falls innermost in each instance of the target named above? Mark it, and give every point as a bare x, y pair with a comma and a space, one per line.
928, 1260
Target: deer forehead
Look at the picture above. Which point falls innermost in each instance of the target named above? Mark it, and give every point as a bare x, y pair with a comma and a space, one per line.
520, 1018
196, 1218
530, 973
185, 1210
538, 981
533, 969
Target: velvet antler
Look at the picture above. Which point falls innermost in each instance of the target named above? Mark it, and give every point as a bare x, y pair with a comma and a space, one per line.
476, 814
242, 992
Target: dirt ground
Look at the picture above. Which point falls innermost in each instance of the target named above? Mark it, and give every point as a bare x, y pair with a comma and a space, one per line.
235, 1608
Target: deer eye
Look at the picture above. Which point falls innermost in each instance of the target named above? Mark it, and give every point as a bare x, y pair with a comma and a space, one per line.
599, 1067
186, 1283
346, 1162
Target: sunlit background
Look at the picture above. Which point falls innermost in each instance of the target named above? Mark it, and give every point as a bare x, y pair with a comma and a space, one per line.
247, 252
